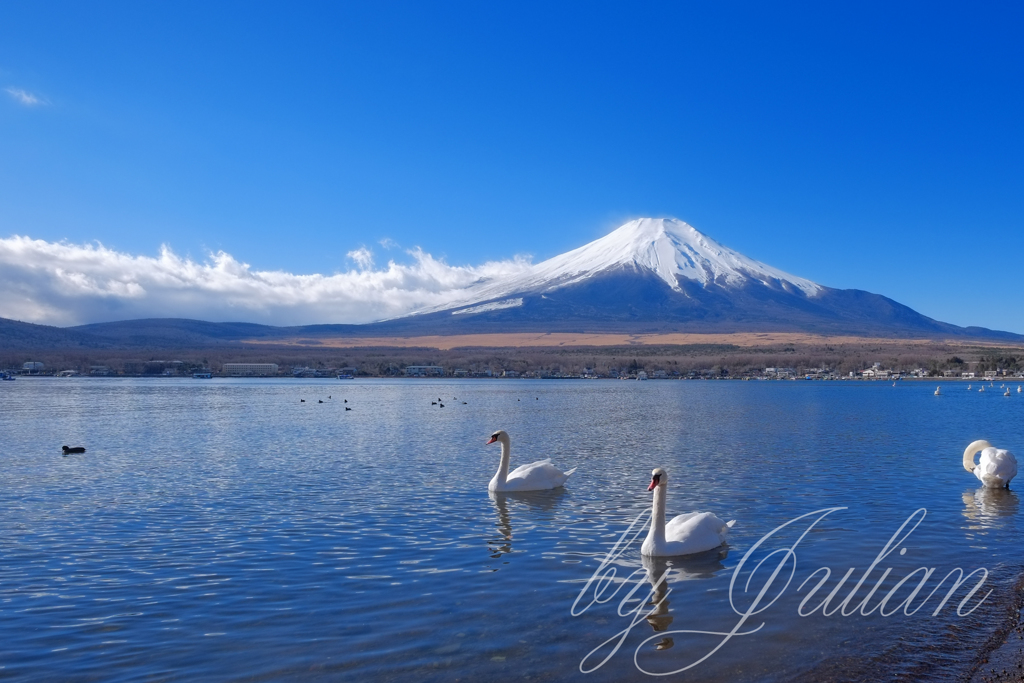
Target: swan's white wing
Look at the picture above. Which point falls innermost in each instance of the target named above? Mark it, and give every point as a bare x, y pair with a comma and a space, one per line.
536, 476
996, 467
687, 523
696, 532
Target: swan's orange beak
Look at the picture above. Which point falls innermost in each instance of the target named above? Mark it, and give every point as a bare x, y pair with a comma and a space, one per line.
654, 482
493, 439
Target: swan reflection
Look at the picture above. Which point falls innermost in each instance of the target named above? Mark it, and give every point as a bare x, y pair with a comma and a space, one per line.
503, 545
985, 505
661, 571
542, 501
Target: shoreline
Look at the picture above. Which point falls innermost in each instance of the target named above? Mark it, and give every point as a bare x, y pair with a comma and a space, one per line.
1002, 659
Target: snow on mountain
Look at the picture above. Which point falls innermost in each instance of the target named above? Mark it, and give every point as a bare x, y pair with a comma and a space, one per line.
666, 247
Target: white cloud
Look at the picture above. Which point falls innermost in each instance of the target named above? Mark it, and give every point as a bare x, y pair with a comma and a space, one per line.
363, 257
24, 97
388, 243
59, 283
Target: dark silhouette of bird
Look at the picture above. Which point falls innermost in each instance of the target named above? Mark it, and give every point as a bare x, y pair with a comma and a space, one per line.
346, 400
302, 400
347, 408
72, 449
328, 397
433, 403
464, 403
318, 401
441, 404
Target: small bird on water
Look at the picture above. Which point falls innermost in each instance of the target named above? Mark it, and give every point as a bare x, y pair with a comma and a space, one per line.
70, 449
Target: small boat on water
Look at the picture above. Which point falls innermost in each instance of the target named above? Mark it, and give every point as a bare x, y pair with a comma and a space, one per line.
202, 375
346, 376
10, 378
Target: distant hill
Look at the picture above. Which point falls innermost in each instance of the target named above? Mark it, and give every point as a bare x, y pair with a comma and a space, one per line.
15, 335
648, 276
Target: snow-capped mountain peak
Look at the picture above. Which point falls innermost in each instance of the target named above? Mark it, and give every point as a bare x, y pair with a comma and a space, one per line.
670, 248
667, 247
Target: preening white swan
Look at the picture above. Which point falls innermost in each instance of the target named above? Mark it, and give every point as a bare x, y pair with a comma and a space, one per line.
996, 467
686, 534
537, 476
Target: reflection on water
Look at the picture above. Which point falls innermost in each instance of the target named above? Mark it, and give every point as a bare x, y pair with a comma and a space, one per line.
985, 504
499, 547
664, 571
543, 501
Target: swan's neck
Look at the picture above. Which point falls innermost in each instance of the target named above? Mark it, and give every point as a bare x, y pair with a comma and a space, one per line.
506, 457
971, 451
657, 532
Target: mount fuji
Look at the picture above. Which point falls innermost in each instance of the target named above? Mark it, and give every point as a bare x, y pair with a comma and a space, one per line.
657, 275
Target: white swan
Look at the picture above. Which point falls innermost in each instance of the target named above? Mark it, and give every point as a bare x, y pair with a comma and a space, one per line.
938, 391
1007, 392
996, 467
686, 534
537, 476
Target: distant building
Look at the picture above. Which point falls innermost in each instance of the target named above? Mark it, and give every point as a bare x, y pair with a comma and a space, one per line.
460, 373
32, 367
250, 369
99, 370
424, 371
659, 374
510, 373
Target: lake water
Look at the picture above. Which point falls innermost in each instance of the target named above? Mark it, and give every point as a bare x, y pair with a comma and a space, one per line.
224, 530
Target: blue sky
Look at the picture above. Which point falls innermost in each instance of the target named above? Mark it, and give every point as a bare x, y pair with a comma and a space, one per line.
865, 146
